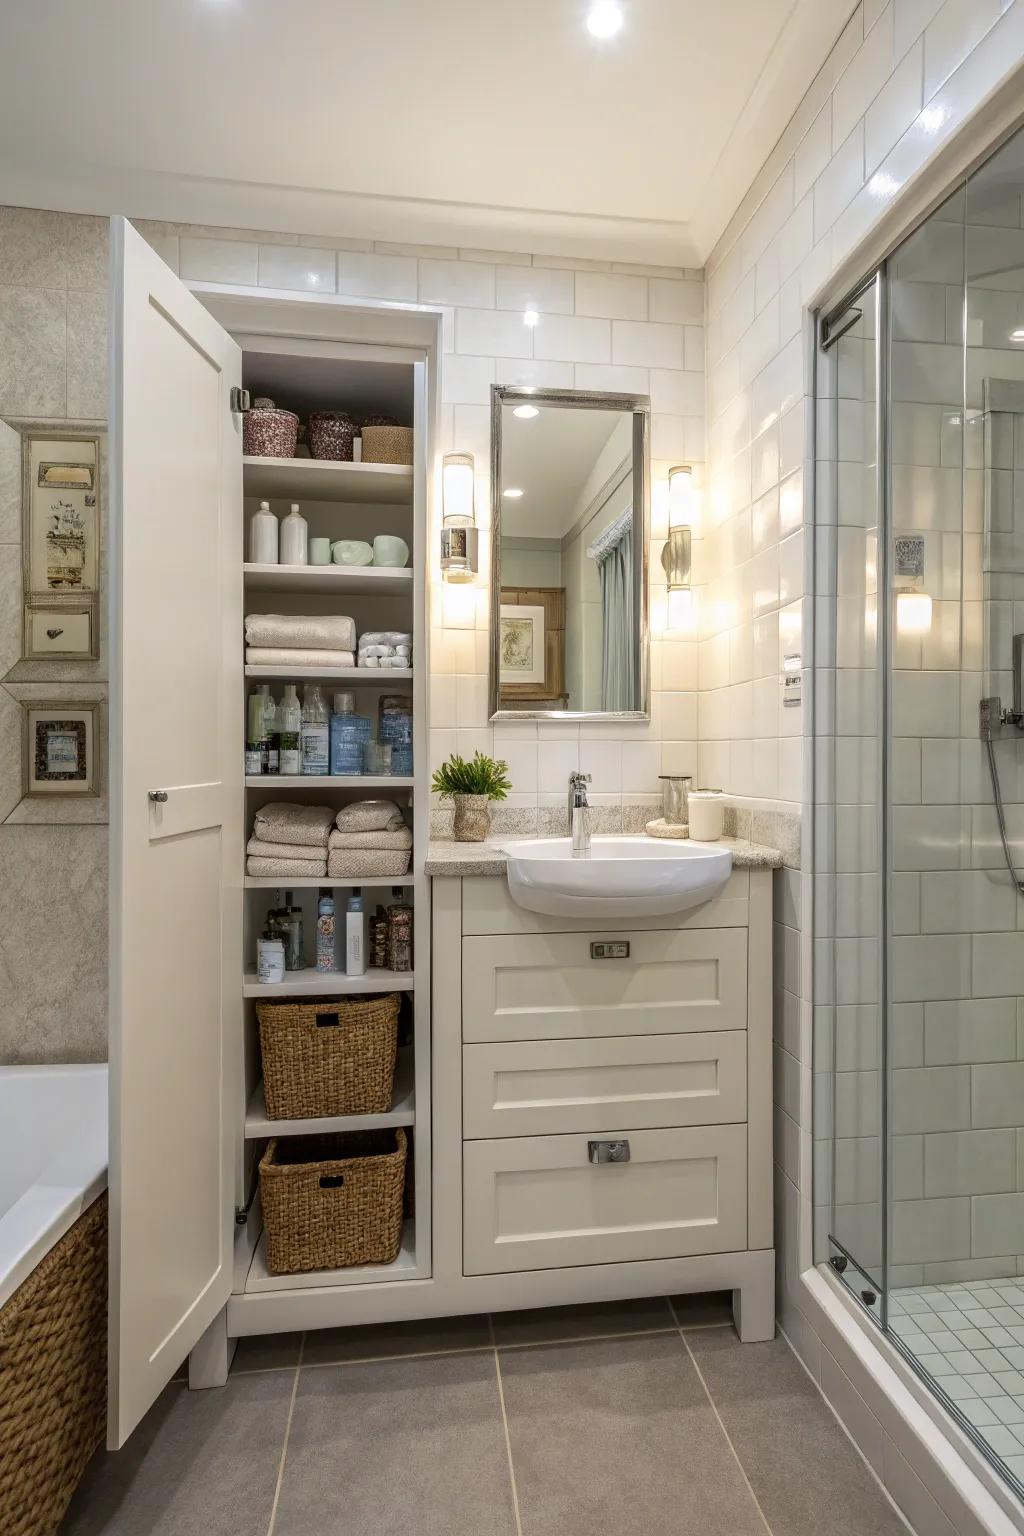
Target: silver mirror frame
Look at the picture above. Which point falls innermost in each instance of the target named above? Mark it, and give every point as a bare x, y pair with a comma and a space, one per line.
587, 400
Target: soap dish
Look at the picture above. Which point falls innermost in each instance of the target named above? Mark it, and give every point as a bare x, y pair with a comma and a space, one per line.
663, 828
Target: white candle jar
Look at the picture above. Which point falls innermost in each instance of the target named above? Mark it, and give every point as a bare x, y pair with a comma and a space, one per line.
707, 815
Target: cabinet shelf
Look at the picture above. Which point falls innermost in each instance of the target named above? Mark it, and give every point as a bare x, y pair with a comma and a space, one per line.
327, 882
328, 781
328, 480
314, 983
352, 580
404, 1268
402, 1111
372, 675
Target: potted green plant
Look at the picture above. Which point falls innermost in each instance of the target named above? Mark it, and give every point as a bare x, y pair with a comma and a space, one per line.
472, 786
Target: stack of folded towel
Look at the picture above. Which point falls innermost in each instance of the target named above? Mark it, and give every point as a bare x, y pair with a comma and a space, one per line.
290, 841
385, 648
370, 840
300, 640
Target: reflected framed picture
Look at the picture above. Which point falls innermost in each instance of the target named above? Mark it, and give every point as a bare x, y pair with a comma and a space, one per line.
521, 644
60, 749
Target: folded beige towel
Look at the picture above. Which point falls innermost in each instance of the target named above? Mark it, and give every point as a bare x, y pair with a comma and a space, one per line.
303, 851
283, 822
401, 837
303, 631
280, 656
366, 863
369, 816
287, 869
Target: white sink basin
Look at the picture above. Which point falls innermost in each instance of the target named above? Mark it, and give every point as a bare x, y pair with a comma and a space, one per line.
620, 877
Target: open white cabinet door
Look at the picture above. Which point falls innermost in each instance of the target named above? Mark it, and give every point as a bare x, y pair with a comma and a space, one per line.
176, 788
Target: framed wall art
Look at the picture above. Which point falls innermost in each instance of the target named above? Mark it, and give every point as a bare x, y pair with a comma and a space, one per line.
521, 644
61, 543
61, 755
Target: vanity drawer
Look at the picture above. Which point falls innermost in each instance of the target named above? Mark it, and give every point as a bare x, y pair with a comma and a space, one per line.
550, 986
540, 1087
537, 1202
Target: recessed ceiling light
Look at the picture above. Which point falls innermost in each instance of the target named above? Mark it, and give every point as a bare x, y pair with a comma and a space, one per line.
513, 493
604, 19
530, 317
526, 412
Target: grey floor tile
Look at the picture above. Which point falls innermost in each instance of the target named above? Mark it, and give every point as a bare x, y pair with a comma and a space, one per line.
199, 1464
801, 1466
267, 1352
396, 1447
703, 1308
330, 1346
592, 1320
617, 1435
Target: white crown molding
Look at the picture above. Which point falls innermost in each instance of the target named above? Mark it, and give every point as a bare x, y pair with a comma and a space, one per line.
290, 210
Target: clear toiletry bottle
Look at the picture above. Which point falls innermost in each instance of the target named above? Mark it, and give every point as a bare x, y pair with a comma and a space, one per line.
295, 952
270, 956
289, 727
355, 936
270, 729
263, 536
326, 932
349, 732
255, 758
315, 731
294, 538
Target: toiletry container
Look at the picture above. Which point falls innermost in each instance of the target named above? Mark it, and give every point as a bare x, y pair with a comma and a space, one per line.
349, 733
395, 726
707, 815
325, 932
270, 730
290, 918
263, 536
256, 757
315, 732
675, 793
290, 731
377, 758
294, 538
355, 936
270, 956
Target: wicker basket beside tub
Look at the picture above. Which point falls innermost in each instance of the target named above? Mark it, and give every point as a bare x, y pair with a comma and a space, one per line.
333, 1201
387, 445
53, 1378
329, 1058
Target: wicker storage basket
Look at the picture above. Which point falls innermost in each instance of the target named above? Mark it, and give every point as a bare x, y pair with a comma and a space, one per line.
331, 435
329, 1058
53, 1378
387, 445
269, 433
333, 1201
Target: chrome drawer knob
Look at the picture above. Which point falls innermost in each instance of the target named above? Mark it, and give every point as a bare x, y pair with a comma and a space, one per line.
158, 796
608, 1151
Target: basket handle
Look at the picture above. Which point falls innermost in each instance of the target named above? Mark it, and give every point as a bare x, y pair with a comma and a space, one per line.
327, 1020
332, 1180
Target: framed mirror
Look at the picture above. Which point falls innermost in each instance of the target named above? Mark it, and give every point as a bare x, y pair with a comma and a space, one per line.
570, 519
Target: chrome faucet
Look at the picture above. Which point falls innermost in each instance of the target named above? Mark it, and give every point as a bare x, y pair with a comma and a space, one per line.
579, 814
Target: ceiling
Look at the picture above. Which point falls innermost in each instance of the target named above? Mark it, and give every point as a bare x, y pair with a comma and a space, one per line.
550, 458
463, 122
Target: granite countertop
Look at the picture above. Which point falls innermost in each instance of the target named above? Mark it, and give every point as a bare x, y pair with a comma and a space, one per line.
446, 858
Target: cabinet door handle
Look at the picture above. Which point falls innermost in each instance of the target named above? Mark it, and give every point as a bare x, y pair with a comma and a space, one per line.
608, 1151
158, 796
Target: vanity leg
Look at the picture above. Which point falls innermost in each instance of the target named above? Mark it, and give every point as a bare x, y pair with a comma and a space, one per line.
210, 1361
753, 1304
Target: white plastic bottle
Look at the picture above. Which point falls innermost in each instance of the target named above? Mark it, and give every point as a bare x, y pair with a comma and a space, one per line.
355, 936
289, 727
270, 957
316, 731
294, 538
263, 536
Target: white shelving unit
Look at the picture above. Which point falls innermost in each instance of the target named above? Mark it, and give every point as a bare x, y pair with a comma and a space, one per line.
327, 480
402, 1112
371, 676
333, 580
406, 1267
259, 883
311, 983
311, 781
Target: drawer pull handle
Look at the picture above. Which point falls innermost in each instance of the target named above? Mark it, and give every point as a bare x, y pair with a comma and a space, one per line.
609, 949
608, 1151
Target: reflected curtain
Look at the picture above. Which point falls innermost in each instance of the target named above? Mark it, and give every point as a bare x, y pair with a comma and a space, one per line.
615, 569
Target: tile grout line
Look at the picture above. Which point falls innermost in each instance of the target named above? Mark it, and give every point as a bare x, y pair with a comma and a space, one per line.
721, 1424
284, 1446
504, 1420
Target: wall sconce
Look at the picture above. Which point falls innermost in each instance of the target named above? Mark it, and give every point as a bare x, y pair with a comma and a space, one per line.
459, 534
676, 555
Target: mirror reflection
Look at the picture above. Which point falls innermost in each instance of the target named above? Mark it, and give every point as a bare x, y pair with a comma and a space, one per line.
568, 618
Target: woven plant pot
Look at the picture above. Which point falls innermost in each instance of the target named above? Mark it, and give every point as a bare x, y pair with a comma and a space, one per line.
331, 435
269, 433
329, 1058
387, 445
53, 1377
333, 1201
472, 818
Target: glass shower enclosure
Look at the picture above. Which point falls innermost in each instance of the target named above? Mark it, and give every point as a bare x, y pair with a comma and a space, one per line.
919, 795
